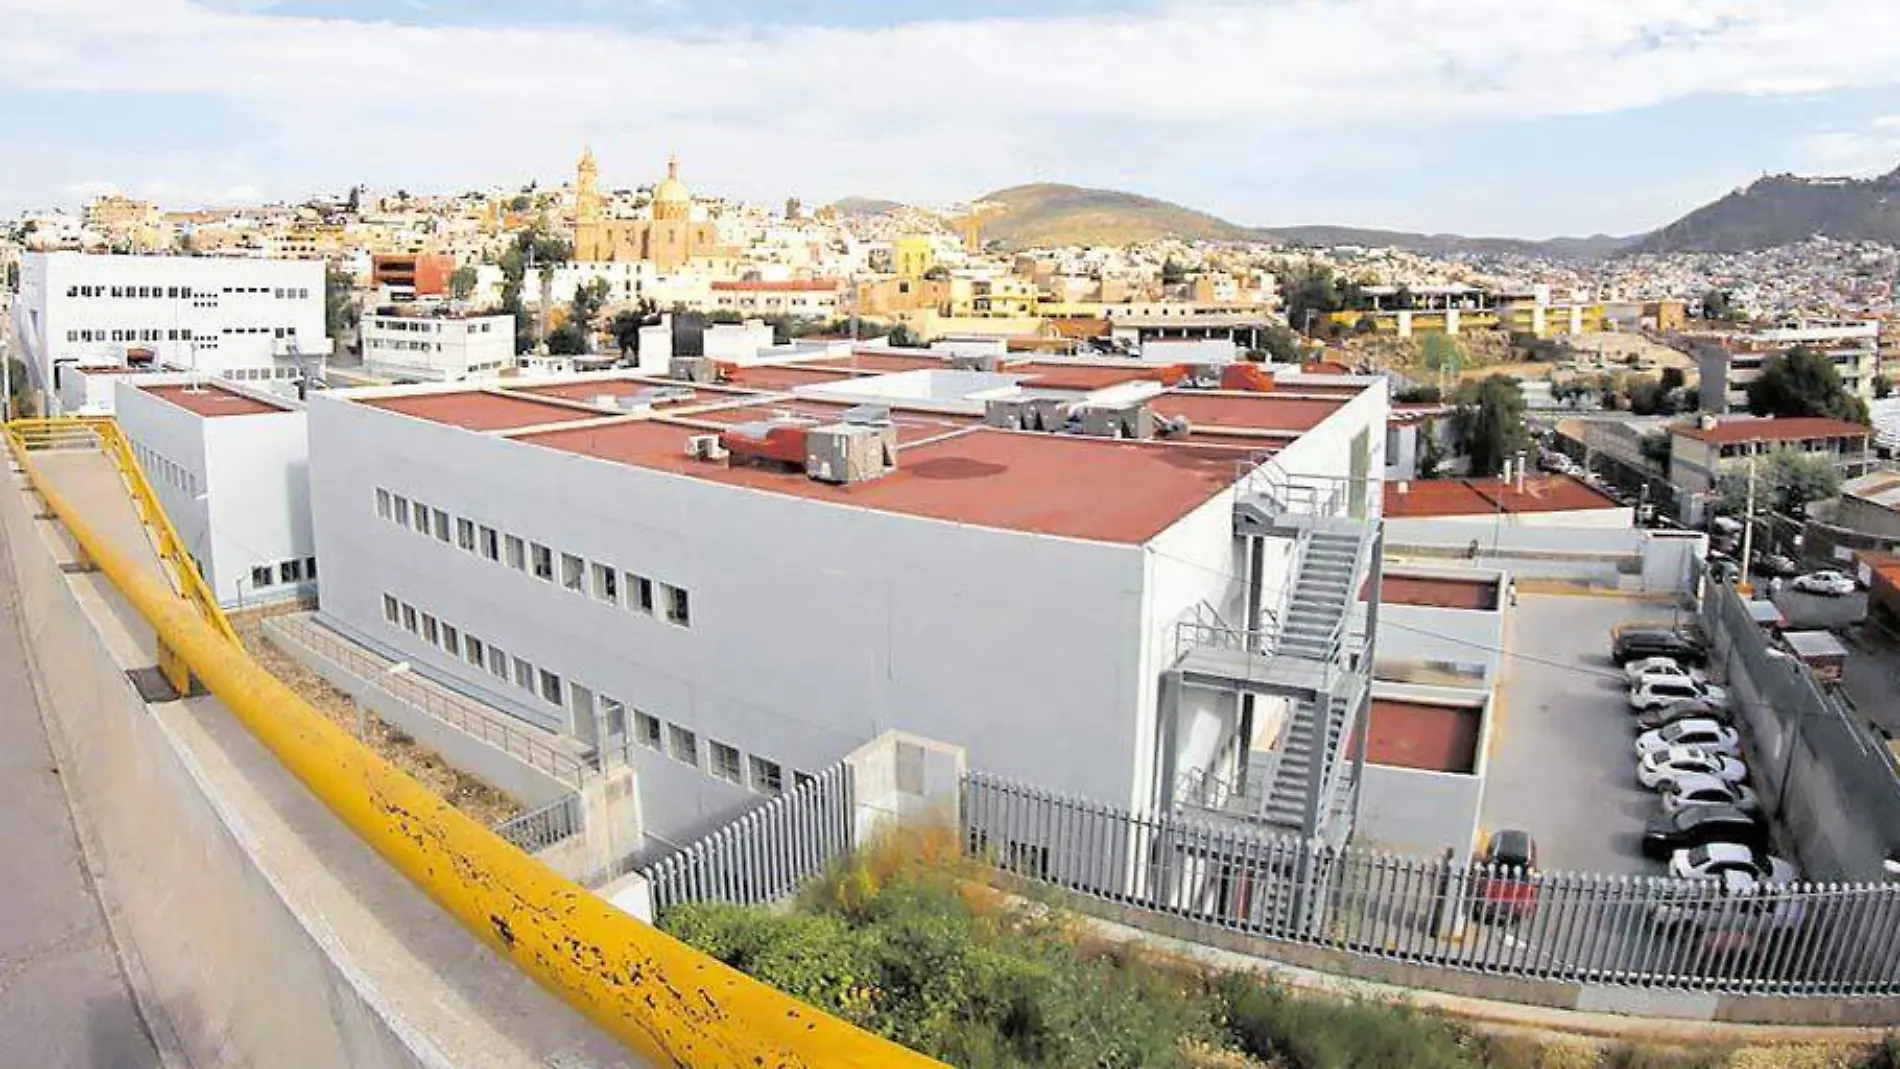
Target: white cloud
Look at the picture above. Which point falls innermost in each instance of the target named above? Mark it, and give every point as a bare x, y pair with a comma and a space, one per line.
1871, 148
932, 109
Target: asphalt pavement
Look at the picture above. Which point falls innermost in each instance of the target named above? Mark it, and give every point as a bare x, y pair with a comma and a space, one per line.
63, 997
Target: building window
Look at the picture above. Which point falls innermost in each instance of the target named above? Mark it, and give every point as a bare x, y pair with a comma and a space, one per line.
607, 584
767, 777
399, 507
801, 780
441, 526
646, 729
573, 572
614, 712
640, 593
291, 571
422, 519
261, 576
472, 650
498, 663
725, 762
491, 544
683, 745
451, 640
310, 568
550, 687
543, 561
431, 633
409, 621
392, 610
517, 554
678, 607
465, 534
524, 675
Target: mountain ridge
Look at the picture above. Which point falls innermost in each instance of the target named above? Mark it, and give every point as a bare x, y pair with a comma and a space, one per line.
1785, 209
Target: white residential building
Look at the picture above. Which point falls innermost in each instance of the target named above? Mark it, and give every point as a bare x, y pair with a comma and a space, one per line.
231, 467
798, 298
1730, 362
585, 555
430, 343
208, 314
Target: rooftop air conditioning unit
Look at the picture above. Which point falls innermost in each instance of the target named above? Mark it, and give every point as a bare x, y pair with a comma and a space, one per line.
692, 369
1202, 377
705, 447
975, 362
1027, 413
850, 453
1131, 420
867, 415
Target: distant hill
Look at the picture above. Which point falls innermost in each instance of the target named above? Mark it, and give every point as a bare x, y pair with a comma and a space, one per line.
1053, 214
1785, 210
854, 207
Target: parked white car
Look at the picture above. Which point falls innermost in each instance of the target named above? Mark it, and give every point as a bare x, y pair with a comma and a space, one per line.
1827, 584
1661, 668
1743, 907
1653, 691
1717, 859
1702, 732
1660, 767
1707, 790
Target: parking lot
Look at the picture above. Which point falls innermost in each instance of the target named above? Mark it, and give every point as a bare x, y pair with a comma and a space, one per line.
1562, 748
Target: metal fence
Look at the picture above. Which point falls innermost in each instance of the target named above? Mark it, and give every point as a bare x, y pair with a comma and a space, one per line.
1793, 939
767, 853
463, 714
537, 829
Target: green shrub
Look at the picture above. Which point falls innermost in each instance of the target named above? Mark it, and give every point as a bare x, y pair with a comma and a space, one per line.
1317, 1032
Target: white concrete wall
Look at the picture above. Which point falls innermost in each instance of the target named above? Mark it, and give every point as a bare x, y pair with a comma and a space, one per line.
161, 432
54, 323
1411, 811
814, 628
1423, 634
432, 349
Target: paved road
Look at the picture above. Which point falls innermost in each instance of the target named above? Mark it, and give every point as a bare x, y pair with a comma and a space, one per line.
63, 999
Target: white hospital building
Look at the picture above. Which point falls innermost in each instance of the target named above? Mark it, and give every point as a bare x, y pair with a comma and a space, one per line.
218, 316
1120, 590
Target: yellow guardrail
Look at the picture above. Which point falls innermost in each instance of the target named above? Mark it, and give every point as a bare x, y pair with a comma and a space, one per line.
667, 1001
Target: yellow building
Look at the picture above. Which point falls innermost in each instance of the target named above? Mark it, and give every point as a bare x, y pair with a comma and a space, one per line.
124, 223
670, 240
912, 257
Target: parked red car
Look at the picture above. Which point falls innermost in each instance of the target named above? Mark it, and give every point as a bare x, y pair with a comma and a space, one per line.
1507, 890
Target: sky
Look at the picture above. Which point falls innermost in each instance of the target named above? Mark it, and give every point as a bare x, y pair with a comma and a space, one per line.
1483, 117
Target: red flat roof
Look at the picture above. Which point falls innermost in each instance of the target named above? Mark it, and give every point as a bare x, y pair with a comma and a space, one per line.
1431, 738
1783, 429
1046, 484
586, 392
1422, 498
478, 411
785, 376
1247, 411
882, 363
1435, 592
212, 401
1054, 376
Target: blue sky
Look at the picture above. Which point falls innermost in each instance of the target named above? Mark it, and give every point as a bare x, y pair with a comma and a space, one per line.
1475, 116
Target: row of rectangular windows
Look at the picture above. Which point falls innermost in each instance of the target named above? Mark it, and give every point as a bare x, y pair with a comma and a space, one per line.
170, 333
681, 743
603, 582
288, 571
259, 374
165, 470
296, 293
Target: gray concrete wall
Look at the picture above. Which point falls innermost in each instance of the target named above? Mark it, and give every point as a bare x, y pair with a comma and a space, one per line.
485, 761
1420, 634
1416, 812
1630, 559
268, 934
904, 781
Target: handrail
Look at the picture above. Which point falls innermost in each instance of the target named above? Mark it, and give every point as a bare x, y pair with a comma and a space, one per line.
30, 434
672, 1004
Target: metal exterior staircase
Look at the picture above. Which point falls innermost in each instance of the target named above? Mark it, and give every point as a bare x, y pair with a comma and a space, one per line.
1308, 657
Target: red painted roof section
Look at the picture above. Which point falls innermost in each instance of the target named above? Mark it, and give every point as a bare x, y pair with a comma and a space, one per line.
1435, 592
814, 285
1424, 498
1044, 484
1048, 375
882, 363
785, 377
587, 392
1431, 738
478, 411
1780, 429
1247, 411
212, 401
911, 426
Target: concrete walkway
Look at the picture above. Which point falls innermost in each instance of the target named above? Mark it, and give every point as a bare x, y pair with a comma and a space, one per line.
64, 1000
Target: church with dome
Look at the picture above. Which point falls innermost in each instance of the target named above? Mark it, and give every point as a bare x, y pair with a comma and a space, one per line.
670, 240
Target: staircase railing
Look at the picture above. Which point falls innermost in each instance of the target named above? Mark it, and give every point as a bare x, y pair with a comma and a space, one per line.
1262, 475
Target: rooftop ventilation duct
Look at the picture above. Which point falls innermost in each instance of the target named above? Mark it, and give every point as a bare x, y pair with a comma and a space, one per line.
692, 369
867, 416
1027, 413
976, 362
778, 442
850, 452
1131, 420
705, 447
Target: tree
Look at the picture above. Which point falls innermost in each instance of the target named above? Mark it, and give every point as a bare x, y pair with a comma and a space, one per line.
1802, 382
901, 334
355, 202
1441, 353
13, 279
1786, 481
1718, 304
462, 282
1172, 273
1431, 455
340, 311
1672, 379
521, 203
1648, 398
568, 339
1365, 325
1404, 300
1419, 395
1883, 387
1489, 423
1311, 296
626, 331
1281, 344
